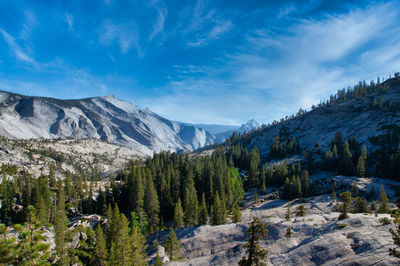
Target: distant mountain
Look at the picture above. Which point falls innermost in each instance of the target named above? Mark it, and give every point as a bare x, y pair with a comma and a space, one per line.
105, 118
213, 129
246, 127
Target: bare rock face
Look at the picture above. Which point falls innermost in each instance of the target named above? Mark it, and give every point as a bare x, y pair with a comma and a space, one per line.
318, 237
103, 118
85, 220
354, 117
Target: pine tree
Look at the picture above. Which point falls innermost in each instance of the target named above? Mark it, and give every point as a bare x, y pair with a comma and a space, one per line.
346, 201
373, 205
138, 191
288, 212
289, 232
152, 206
218, 211
178, 214
236, 215
286, 189
120, 251
383, 201
396, 239
297, 187
346, 164
100, 251
360, 166
203, 215
172, 246
113, 216
334, 198
138, 248
158, 261
301, 210
256, 255
27, 247
191, 204
255, 197
361, 205
60, 225
139, 220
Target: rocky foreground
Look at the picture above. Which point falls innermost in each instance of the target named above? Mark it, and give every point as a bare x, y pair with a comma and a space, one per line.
318, 237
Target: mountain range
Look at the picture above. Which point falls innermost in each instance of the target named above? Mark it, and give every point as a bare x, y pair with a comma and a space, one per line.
105, 118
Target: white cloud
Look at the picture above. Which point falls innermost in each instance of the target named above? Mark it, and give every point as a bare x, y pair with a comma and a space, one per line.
69, 19
126, 35
18, 52
277, 72
159, 25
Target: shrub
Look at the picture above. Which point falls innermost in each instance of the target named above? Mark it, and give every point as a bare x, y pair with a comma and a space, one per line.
385, 221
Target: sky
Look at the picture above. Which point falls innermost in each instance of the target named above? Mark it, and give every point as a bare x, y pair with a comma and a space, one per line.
198, 61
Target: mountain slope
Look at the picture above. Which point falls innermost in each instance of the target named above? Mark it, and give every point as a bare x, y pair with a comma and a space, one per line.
360, 116
105, 118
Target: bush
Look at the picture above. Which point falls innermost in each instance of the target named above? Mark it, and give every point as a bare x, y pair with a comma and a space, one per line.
385, 221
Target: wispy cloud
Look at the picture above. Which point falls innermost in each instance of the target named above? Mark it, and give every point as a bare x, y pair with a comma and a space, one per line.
16, 50
69, 19
277, 72
29, 22
158, 27
125, 34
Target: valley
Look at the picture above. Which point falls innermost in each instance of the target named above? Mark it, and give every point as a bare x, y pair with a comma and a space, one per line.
324, 182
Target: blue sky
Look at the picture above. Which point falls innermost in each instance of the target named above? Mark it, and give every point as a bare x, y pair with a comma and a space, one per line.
198, 61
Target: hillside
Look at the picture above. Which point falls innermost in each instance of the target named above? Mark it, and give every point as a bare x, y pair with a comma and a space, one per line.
363, 117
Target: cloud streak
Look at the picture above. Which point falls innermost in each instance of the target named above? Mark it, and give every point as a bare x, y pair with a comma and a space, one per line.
16, 50
277, 72
125, 34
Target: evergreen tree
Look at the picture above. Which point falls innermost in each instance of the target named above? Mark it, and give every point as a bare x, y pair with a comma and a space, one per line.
191, 204
178, 214
158, 261
288, 212
218, 211
172, 246
152, 206
100, 251
255, 197
346, 164
361, 205
396, 239
334, 191
297, 187
236, 215
301, 210
253, 169
203, 215
346, 201
138, 191
27, 246
383, 201
256, 255
138, 247
120, 251
360, 166
139, 220
60, 225
113, 216
373, 205
289, 232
